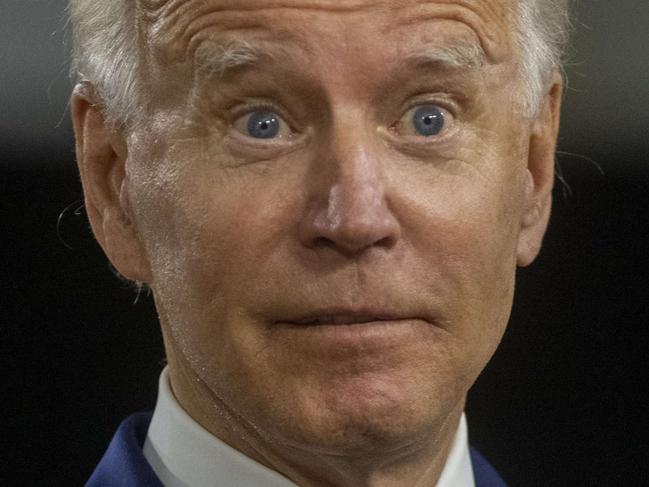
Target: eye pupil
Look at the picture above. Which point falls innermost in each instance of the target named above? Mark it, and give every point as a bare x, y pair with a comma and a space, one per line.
428, 120
263, 125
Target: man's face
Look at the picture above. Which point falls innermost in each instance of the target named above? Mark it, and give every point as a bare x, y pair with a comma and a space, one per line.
363, 165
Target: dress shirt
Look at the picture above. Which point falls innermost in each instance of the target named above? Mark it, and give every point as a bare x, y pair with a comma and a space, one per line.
183, 454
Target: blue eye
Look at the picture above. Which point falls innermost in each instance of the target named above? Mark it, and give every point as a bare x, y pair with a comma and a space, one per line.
428, 120
263, 125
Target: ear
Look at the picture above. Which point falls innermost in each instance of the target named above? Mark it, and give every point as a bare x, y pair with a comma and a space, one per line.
101, 156
540, 174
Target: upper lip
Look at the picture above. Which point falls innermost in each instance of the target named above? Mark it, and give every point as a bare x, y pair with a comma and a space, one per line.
341, 316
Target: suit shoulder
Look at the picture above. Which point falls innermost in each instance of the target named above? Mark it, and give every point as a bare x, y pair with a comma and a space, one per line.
124, 463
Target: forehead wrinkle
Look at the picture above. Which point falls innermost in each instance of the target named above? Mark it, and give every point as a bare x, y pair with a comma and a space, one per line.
162, 6
178, 27
157, 8
165, 21
175, 23
488, 23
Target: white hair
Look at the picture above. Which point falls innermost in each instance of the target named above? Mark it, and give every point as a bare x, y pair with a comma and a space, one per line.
105, 51
542, 37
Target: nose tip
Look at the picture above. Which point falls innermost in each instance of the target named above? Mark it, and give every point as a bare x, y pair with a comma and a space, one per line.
349, 208
351, 220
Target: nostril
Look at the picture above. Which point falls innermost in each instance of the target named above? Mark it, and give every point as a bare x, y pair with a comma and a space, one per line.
350, 247
386, 242
323, 242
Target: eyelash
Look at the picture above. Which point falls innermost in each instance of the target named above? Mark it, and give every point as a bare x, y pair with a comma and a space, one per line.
242, 110
445, 105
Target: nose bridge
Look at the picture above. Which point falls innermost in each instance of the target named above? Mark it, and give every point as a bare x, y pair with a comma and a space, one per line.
350, 210
357, 201
351, 151
354, 165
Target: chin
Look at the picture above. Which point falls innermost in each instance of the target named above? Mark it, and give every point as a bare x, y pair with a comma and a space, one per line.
345, 434
361, 419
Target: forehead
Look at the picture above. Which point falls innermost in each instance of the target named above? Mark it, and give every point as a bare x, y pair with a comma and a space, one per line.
176, 29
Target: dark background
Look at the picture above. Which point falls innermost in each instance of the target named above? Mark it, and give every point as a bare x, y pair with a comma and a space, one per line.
562, 403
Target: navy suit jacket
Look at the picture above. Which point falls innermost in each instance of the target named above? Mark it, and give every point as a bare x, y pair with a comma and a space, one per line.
124, 464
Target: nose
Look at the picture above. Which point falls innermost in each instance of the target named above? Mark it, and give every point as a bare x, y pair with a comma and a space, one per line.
349, 209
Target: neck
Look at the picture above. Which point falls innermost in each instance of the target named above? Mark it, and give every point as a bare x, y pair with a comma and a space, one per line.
417, 461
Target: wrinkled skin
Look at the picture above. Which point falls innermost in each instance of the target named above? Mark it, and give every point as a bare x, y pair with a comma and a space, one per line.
349, 208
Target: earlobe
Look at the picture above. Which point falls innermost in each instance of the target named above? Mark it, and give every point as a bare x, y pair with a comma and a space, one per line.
534, 223
540, 175
122, 246
101, 157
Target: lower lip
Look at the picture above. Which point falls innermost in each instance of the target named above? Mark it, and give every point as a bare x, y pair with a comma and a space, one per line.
382, 332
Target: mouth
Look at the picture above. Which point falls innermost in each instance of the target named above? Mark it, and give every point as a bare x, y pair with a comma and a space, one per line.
338, 332
344, 317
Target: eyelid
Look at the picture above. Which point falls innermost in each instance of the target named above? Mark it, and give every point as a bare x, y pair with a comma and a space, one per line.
241, 109
444, 102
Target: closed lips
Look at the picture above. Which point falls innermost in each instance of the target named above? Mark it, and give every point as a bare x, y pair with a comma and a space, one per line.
337, 320
329, 318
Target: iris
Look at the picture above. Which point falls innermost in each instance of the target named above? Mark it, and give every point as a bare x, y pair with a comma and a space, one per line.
263, 125
428, 120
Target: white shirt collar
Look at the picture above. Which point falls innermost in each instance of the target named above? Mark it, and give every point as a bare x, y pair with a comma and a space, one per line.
184, 454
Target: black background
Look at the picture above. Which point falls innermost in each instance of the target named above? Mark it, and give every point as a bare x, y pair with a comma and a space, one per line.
562, 403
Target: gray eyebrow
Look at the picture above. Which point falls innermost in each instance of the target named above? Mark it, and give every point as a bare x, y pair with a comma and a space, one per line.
216, 58
461, 55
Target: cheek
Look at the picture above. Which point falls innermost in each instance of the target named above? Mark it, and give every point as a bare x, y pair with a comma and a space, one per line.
210, 230
465, 220
208, 235
464, 230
